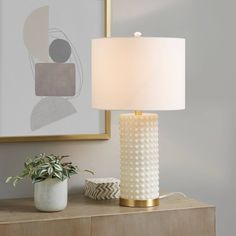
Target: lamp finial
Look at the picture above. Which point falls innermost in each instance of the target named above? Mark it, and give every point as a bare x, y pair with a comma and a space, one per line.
137, 34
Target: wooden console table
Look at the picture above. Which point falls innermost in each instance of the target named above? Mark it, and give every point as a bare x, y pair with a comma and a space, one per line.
176, 216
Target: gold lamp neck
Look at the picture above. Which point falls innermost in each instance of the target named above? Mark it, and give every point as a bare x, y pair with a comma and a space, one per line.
138, 113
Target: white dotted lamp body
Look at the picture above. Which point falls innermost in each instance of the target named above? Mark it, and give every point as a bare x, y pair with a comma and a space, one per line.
139, 159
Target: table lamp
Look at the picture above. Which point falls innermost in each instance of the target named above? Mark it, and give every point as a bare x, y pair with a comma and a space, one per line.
138, 74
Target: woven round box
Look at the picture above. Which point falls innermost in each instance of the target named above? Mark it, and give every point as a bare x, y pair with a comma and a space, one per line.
102, 188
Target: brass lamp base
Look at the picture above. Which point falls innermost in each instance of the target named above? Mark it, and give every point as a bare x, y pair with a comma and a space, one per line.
139, 203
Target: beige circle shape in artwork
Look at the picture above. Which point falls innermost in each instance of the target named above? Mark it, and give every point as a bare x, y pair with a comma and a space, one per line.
35, 33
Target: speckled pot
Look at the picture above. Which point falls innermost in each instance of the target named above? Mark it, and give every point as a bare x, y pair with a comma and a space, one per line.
51, 195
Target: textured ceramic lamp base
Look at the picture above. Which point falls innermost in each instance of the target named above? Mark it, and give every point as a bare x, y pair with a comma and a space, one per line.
139, 160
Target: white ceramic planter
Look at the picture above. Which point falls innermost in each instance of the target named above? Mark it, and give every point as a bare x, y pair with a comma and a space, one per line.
51, 195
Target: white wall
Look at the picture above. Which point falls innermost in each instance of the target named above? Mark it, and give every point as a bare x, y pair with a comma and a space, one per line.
197, 146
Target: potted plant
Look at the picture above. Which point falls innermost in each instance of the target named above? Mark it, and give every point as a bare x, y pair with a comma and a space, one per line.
49, 174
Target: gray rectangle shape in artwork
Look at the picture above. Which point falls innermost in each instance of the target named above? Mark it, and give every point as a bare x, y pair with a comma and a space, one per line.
55, 79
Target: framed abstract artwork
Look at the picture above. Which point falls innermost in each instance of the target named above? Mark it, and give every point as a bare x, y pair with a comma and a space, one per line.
45, 72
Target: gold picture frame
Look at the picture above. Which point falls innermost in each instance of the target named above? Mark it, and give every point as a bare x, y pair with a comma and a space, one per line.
101, 136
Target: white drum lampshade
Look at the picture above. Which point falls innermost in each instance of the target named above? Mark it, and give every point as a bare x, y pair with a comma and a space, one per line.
139, 74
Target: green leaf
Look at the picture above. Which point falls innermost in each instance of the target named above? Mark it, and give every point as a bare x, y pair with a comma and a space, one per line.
28, 162
50, 170
58, 175
24, 173
8, 179
37, 180
64, 156
66, 173
57, 167
15, 182
51, 157
89, 171
42, 171
44, 166
72, 172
